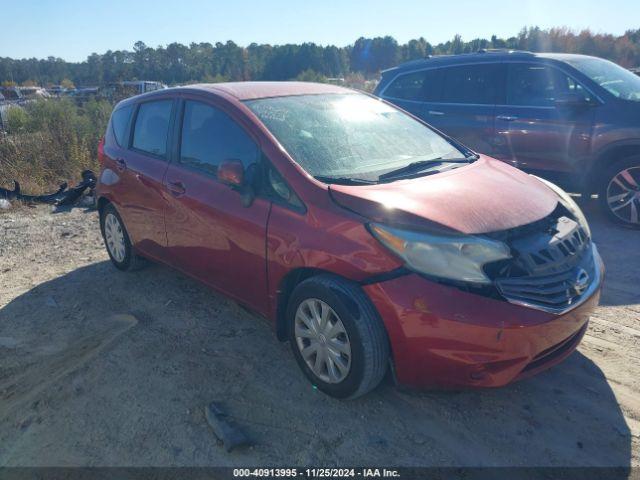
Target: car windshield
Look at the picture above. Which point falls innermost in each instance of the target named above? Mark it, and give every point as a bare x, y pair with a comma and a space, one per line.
349, 135
617, 80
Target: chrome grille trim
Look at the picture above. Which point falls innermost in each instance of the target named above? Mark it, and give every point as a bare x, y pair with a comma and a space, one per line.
553, 292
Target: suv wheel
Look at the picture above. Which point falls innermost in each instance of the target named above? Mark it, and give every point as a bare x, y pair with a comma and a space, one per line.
337, 336
116, 239
619, 192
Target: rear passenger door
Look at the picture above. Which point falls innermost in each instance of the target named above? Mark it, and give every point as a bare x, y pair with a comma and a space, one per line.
136, 160
141, 169
465, 109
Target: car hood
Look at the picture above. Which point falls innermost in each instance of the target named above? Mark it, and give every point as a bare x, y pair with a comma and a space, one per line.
485, 196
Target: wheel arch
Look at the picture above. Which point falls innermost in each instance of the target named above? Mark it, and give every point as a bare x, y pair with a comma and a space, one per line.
286, 287
287, 284
102, 203
607, 157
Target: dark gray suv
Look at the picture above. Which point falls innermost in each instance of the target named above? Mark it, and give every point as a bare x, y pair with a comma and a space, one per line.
572, 119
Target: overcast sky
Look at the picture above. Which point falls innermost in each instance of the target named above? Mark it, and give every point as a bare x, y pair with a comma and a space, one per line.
73, 29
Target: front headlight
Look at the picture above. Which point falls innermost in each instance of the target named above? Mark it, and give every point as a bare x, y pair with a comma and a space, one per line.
451, 257
570, 204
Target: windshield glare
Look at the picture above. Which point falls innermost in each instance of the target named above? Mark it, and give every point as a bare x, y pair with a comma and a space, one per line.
619, 81
349, 135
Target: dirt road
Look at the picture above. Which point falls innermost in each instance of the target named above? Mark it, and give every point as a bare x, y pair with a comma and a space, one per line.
99, 367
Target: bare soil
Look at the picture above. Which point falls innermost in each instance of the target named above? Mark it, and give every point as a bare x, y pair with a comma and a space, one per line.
104, 368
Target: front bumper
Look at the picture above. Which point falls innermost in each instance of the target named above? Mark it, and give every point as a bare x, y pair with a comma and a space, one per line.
444, 337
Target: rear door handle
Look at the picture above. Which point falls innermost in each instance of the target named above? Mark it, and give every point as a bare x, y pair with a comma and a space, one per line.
507, 118
176, 188
435, 112
121, 165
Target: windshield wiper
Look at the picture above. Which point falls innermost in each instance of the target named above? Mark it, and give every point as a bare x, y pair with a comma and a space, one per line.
345, 180
415, 167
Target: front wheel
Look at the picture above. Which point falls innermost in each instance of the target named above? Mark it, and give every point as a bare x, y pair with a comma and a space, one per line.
619, 192
337, 336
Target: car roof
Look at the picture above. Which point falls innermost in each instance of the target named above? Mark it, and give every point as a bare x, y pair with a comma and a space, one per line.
255, 90
246, 90
482, 56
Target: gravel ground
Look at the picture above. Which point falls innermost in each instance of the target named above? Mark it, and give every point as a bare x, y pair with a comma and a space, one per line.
104, 368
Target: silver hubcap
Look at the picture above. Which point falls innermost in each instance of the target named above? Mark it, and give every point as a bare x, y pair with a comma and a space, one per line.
623, 195
322, 340
114, 236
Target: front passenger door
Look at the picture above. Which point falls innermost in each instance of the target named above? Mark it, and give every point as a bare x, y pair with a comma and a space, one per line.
532, 132
210, 234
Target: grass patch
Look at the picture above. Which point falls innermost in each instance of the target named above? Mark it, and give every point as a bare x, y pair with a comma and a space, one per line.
51, 141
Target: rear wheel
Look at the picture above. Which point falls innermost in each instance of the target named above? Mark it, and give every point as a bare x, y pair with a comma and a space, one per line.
117, 241
619, 192
337, 336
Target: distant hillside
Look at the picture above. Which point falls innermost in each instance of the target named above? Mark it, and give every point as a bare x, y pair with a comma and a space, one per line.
177, 63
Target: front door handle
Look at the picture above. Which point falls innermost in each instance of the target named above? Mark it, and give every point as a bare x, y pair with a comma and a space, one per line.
176, 188
507, 118
435, 112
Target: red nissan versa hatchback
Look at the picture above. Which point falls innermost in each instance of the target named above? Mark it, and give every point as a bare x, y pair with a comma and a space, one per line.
370, 240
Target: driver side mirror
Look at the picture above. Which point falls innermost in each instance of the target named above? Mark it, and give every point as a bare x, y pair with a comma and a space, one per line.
572, 100
231, 172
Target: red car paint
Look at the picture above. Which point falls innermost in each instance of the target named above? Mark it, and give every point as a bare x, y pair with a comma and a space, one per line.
440, 335
466, 200
447, 338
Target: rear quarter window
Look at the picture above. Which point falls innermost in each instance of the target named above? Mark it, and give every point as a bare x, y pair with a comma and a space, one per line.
120, 123
152, 127
422, 86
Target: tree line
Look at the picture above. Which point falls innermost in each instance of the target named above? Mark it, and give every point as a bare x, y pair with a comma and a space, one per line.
206, 62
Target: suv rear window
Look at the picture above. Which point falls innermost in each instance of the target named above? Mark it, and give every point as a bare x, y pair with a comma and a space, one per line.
119, 124
418, 86
152, 127
470, 84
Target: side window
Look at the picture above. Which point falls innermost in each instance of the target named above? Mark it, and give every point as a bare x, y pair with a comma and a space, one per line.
210, 136
538, 85
119, 123
419, 86
152, 126
572, 86
471, 84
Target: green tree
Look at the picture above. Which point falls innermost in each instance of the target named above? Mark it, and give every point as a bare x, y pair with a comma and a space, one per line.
16, 120
311, 76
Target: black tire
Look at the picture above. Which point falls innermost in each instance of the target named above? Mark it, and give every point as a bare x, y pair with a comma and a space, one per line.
605, 190
366, 334
131, 261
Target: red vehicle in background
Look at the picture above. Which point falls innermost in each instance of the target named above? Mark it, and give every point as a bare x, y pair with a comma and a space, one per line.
372, 242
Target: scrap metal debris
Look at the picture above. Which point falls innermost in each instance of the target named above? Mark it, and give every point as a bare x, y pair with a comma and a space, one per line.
63, 196
229, 434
